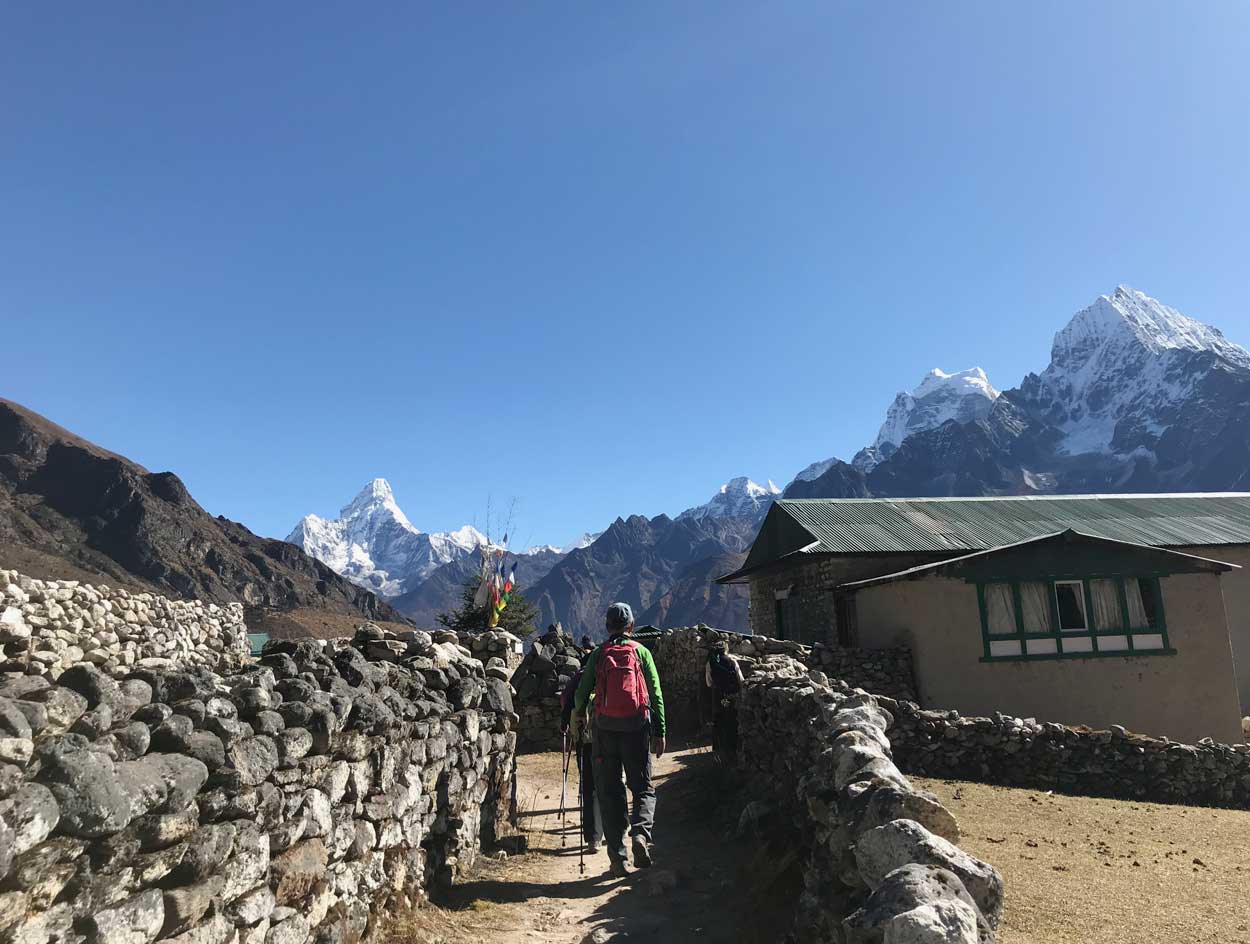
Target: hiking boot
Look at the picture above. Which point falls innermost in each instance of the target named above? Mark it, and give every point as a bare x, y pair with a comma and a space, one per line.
618, 869
642, 853
592, 848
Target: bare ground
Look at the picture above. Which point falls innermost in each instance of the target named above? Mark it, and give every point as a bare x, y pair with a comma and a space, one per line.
1083, 869
690, 894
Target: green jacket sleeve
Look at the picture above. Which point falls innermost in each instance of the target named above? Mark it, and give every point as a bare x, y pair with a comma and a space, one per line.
586, 685
653, 687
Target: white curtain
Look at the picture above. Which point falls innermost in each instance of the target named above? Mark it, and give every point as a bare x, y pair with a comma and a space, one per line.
1136, 609
1107, 613
1000, 615
1035, 606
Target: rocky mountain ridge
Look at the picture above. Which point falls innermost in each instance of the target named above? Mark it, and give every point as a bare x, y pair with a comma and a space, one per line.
69, 508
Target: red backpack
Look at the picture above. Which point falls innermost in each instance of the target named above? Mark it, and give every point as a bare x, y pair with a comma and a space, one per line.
620, 689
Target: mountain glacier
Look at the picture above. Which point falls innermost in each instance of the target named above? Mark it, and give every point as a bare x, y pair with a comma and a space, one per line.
1122, 368
373, 544
964, 396
737, 498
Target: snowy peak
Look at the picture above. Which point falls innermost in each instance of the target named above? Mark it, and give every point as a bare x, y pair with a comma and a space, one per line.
737, 498
1121, 370
964, 396
1128, 319
373, 544
816, 469
373, 501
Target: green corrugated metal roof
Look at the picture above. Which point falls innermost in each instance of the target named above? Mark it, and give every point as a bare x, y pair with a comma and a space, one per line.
939, 525
1066, 541
960, 525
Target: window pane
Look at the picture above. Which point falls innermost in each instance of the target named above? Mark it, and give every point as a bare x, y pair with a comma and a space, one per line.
1000, 615
1148, 641
1151, 604
1137, 618
1078, 644
1035, 607
1004, 647
1113, 643
1070, 598
1041, 647
1106, 594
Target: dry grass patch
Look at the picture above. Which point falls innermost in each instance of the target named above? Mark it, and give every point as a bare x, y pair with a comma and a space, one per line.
1085, 869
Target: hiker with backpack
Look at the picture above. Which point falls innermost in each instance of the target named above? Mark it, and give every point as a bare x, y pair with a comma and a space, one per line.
723, 676
629, 727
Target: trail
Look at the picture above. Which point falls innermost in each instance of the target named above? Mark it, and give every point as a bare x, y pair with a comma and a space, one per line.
689, 894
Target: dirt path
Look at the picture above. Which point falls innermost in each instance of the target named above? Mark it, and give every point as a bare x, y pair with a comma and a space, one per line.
688, 895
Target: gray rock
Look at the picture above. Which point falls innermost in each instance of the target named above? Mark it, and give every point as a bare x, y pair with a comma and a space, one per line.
253, 758
53, 925
215, 930
268, 722
161, 831
33, 813
902, 892
207, 748
184, 777
248, 866
903, 842
92, 798
184, 907
209, 847
13, 907
13, 721
135, 738
63, 705
16, 750
8, 849
36, 715
251, 907
136, 920
294, 930
94, 685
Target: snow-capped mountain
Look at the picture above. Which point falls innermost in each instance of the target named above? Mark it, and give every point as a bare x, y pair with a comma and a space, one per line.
964, 396
1136, 397
1122, 369
817, 469
373, 544
737, 498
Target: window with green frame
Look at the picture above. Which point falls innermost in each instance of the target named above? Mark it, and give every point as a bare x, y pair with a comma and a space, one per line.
1072, 618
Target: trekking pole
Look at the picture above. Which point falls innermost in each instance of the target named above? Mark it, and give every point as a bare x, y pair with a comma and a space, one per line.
564, 781
581, 815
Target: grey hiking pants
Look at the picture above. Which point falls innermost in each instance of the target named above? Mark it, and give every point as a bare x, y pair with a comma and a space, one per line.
628, 751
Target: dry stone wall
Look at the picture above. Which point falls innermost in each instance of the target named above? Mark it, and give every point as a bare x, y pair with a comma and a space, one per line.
46, 626
540, 679
279, 801
500, 651
882, 862
1022, 752
681, 654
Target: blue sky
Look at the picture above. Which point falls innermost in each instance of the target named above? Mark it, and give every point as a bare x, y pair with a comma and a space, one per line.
600, 257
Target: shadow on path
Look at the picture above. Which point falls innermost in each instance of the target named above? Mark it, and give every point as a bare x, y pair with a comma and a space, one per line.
704, 883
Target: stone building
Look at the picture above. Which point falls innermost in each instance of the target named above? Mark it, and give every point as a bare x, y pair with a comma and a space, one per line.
813, 560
